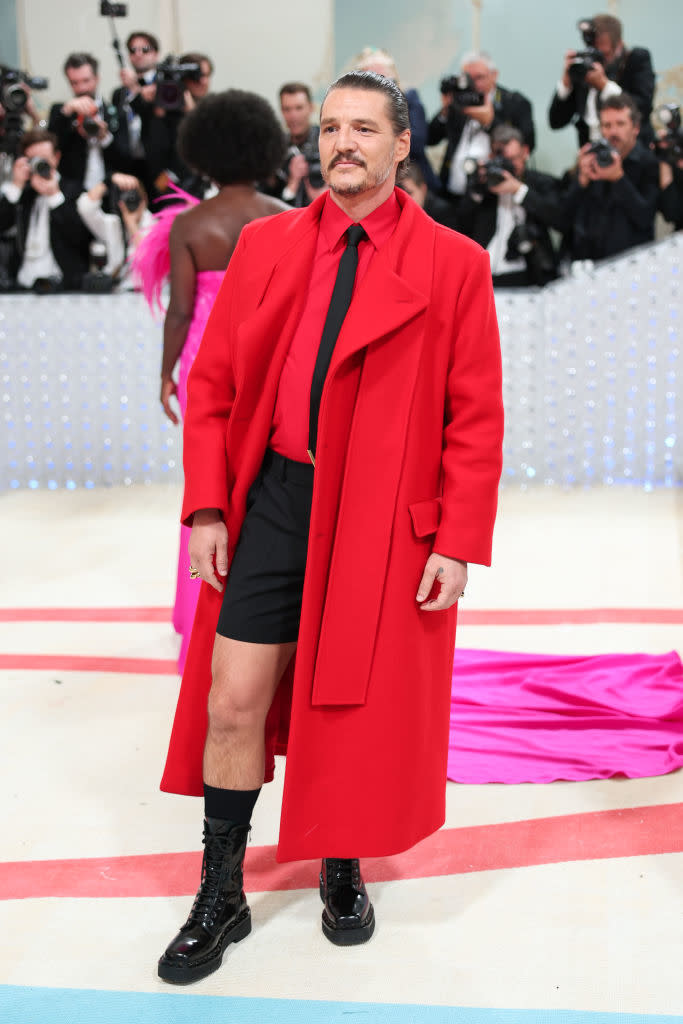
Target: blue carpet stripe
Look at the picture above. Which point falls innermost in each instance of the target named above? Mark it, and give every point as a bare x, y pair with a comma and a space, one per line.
21, 1005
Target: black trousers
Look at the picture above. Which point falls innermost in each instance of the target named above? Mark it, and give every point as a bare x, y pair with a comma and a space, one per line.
262, 597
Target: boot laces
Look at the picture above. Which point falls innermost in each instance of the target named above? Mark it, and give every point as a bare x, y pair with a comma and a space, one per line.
341, 872
215, 866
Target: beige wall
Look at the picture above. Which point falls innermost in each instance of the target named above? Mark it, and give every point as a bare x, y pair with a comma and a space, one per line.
253, 45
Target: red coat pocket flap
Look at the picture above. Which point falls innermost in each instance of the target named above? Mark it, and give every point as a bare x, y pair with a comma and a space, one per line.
426, 516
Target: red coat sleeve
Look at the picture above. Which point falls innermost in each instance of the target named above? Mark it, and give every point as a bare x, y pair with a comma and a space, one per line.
472, 457
210, 396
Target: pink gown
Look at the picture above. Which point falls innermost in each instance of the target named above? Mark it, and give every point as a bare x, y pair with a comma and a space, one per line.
187, 591
151, 267
539, 718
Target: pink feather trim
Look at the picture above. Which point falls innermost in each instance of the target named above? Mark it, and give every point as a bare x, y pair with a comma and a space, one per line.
151, 263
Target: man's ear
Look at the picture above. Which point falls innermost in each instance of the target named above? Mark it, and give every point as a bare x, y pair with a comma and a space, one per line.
403, 145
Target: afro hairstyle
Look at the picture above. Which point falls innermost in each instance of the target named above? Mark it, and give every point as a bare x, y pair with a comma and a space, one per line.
232, 137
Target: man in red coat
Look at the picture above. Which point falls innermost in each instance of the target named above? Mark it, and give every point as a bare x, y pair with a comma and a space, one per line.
345, 474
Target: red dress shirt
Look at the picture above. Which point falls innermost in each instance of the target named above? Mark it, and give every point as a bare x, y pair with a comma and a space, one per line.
289, 434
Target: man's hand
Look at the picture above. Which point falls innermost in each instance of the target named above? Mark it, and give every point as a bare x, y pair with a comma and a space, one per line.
21, 171
169, 389
596, 77
451, 573
209, 543
80, 106
125, 182
613, 172
568, 59
483, 114
149, 93
585, 166
298, 169
508, 186
45, 186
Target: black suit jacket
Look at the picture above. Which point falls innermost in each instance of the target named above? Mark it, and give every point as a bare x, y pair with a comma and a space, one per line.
74, 148
607, 217
158, 135
69, 237
671, 200
511, 108
633, 72
543, 207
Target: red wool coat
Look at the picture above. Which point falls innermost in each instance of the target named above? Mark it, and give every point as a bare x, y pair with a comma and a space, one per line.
408, 461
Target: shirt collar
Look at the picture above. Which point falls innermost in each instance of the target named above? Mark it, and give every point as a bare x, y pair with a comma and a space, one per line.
379, 225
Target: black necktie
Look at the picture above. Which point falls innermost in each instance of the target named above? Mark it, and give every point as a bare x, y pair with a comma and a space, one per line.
339, 304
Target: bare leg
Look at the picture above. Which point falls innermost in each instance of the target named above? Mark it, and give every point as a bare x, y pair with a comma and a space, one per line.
245, 678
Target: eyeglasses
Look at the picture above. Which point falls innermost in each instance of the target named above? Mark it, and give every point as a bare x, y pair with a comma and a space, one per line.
139, 49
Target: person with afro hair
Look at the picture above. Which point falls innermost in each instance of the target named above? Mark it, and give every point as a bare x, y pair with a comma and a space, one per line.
235, 139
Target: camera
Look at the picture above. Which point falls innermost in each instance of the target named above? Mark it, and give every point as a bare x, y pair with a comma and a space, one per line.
461, 88
170, 80
130, 197
89, 125
13, 95
491, 173
522, 240
310, 151
603, 152
41, 167
108, 10
670, 146
585, 59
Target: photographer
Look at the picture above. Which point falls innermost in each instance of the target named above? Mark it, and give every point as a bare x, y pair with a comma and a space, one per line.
603, 69
197, 86
51, 242
669, 151
298, 179
612, 203
116, 214
145, 133
508, 211
438, 209
470, 110
87, 130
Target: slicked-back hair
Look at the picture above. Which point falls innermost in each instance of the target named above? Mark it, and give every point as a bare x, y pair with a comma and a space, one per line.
397, 105
81, 60
232, 137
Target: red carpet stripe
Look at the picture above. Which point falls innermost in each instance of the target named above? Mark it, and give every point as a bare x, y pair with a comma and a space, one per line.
469, 617
636, 831
89, 663
85, 614
572, 616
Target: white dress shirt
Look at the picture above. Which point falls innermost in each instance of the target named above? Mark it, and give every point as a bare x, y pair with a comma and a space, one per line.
38, 259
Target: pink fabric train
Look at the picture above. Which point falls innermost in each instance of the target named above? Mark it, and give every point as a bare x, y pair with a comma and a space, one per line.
539, 718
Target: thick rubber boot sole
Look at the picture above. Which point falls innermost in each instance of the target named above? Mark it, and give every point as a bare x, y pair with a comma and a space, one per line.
351, 936
184, 974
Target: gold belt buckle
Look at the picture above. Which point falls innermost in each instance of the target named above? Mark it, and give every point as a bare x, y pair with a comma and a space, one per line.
310, 455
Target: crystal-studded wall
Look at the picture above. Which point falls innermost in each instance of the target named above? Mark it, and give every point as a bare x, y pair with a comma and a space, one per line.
80, 384
592, 374
591, 383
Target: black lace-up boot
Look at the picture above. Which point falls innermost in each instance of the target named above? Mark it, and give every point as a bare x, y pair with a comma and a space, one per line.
219, 914
348, 916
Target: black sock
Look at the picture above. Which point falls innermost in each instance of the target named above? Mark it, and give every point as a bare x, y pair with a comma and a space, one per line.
235, 805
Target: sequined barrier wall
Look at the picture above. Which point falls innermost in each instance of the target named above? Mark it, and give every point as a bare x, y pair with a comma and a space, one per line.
592, 383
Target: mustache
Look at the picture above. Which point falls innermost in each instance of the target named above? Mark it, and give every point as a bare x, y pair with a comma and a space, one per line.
346, 158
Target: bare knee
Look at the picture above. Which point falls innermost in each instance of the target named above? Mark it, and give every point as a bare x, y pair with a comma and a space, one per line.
234, 707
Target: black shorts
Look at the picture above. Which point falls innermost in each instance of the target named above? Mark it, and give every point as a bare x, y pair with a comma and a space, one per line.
262, 598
